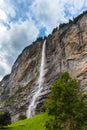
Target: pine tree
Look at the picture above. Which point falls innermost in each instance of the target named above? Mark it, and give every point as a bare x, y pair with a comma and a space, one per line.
66, 105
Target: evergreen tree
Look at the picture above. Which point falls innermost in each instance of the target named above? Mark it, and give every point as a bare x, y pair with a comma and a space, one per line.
66, 105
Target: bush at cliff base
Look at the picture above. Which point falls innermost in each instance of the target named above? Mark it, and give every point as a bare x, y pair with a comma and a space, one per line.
5, 118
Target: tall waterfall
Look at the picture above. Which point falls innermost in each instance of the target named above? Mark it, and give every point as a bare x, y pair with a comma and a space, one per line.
33, 104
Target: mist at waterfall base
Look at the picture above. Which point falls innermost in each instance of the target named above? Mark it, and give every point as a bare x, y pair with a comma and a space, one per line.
33, 104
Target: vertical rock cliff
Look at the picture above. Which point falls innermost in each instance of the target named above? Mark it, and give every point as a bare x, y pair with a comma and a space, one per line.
66, 50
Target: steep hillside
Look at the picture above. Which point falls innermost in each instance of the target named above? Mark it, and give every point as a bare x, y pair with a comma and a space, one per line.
66, 50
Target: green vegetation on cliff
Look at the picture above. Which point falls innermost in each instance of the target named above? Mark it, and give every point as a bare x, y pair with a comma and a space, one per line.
74, 20
16, 95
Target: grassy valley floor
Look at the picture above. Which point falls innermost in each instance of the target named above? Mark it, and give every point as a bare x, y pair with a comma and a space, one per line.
35, 123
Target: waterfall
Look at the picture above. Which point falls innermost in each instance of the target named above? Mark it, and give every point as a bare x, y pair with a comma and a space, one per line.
33, 104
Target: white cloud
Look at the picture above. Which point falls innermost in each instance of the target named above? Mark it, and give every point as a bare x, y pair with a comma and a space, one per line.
3, 15
6, 10
4, 66
78, 4
1, 2
11, 12
50, 14
22, 33
12, 42
74, 6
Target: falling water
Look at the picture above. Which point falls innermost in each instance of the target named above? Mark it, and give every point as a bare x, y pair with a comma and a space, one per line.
33, 104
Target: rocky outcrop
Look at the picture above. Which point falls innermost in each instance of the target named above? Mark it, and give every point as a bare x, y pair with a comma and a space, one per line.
66, 50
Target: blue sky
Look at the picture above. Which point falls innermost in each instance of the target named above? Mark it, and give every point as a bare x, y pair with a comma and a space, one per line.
22, 21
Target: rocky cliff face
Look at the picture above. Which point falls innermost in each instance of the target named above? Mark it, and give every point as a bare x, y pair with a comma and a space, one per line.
66, 50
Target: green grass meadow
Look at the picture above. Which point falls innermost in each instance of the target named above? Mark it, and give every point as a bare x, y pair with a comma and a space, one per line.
35, 123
